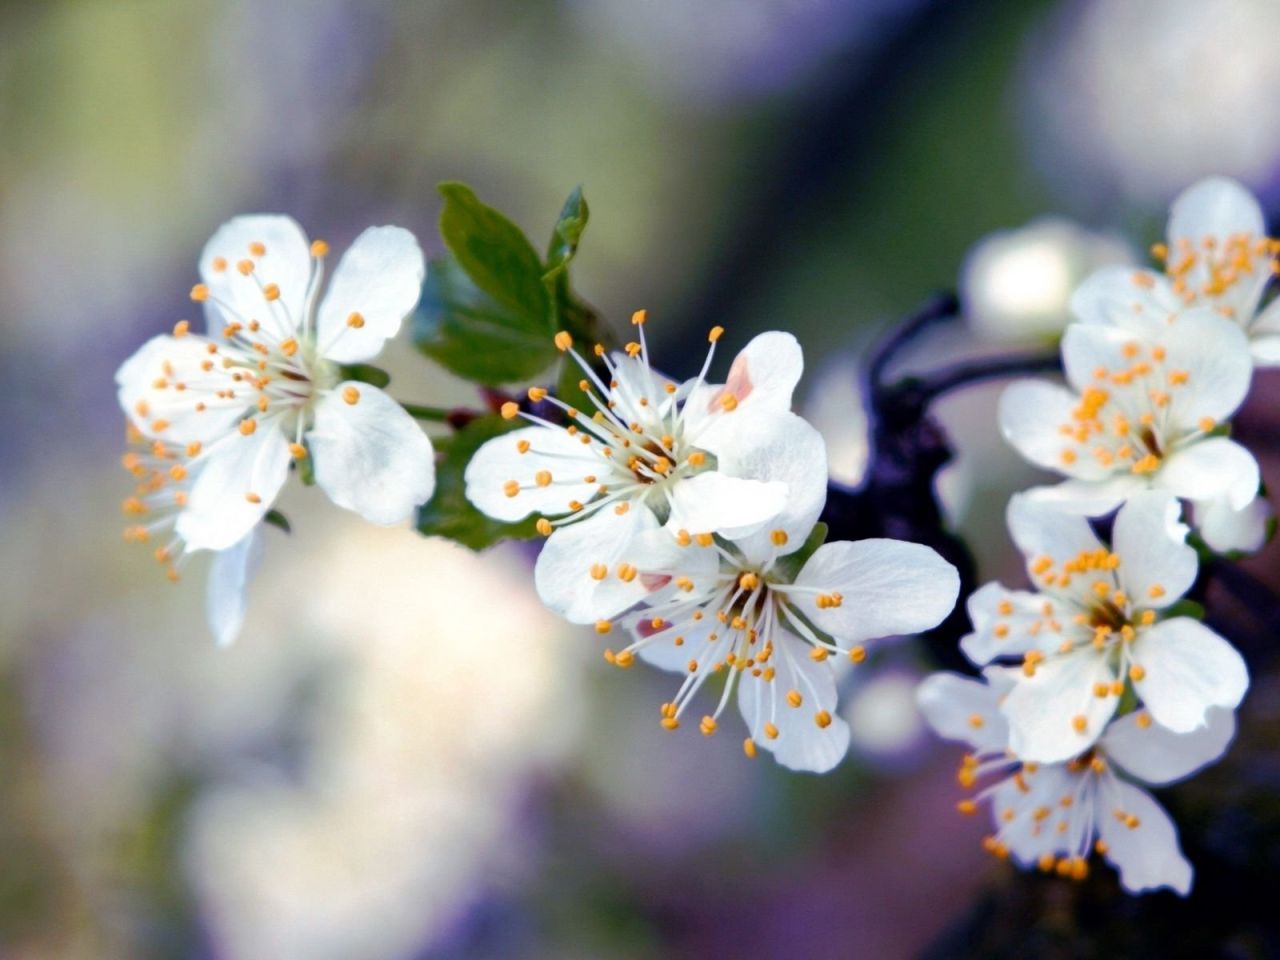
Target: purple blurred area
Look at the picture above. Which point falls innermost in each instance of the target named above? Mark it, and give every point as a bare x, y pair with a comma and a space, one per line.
404, 756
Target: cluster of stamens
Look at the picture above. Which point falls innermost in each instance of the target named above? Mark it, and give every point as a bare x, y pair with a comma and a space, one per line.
747, 606
1074, 826
1122, 421
637, 440
162, 482
1237, 259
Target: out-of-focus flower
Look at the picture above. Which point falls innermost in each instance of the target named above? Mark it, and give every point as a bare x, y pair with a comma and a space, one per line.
242, 399
1137, 98
743, 610
1016, 285
408, 791
1143, 411
834, 406
1095, 628
884, 722
1056, 816
644, 457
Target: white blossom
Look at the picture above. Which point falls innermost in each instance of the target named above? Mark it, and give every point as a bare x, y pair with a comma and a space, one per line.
1144, 408
264, 385
652, 452
1055, 816
747, 611
1098, 626
1217, 256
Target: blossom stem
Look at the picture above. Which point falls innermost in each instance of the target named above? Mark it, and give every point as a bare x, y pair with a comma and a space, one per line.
940, 307
965, 374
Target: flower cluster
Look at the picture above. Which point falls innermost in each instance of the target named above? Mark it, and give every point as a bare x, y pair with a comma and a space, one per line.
1100, 676
216, 419
684, 515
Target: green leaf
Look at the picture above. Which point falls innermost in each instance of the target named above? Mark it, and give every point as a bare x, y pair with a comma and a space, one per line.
365, 373
277, 519
471, 334
495, 254
449, 513
567, 234
1185, 608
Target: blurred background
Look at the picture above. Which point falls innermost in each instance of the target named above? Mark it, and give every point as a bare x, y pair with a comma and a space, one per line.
404, 756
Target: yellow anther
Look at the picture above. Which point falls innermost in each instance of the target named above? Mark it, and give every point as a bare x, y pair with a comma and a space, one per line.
707, 726
704, 539
1144, 720
253, 497
199, 293
1137, 673
319, 249
248, 426
351, 395
684, 584
599, 571
257, 249
1128, 633
1156, 591
697, 458
822, 718
748, 581
355, 320
1001, 630
1068, 456
542, 478
638, 318
729, 402
511, 488
1079, 723
603, 626
1207, 424
537, 394
522, 446
670, 723
298, 451
563, 341
771, 731
967, 807
543, 526
794, 698
715, 334
1147, 618
271, 291
632, 349
976, 721
858, 654
245, 267
509, 410
626, 572
749, 748
818, 654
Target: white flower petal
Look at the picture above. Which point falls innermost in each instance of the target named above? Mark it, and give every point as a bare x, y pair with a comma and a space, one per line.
286, 263
148, 391
637, 381
1228, 530
888, 588
1266, 350
370, 456
1031, 413
499, 461
1156, 755
964, 709
1146, 855
663, 652
1042, 530
1027, 837
762, 378
1007, 623
1221, 209
1213, 353
1157, 565
801, 743
1087, 498
1187, 669
1212, 468
1043, 710
1217, 207
229, 576
714, 502
380, 279
781, 448
239, 479
1109, 296
563, 574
